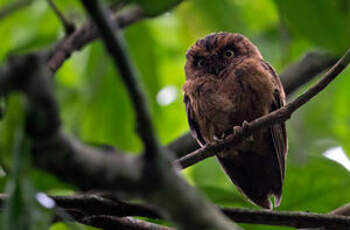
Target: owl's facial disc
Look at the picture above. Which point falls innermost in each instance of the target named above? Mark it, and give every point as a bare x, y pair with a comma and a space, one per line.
216, 52
214, 62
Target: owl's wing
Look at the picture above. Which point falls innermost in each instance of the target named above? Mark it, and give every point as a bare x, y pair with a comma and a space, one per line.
278, 131
194, 127
279, 134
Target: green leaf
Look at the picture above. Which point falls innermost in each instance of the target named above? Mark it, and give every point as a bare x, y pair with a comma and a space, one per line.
324, 22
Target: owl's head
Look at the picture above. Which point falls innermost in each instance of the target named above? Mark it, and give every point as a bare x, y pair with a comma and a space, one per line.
217, 51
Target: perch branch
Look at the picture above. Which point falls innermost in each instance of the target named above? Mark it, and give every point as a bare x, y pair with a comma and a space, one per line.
276, 116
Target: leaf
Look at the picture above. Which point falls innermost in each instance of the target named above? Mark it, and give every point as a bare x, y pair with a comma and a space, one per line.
324, 22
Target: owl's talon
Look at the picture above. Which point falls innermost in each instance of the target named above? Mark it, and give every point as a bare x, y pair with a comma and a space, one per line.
250, 138
217, 139
237, 130
245, 124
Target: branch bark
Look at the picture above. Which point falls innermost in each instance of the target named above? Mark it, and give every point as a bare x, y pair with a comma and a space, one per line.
125, 223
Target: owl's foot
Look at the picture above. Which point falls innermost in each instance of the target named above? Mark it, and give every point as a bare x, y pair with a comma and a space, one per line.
217, 139
245, 125
238, 130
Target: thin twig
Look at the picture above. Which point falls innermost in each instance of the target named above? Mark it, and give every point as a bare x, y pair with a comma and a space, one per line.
69, 27
88, 33
276, 116
121, 223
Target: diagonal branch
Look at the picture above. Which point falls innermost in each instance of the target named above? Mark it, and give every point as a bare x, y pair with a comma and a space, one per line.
276, 116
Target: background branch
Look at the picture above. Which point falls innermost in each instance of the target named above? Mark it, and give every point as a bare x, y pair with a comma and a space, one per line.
305, 69
98, 211
126, 223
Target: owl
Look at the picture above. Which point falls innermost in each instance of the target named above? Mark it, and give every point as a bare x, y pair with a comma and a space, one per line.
228, 83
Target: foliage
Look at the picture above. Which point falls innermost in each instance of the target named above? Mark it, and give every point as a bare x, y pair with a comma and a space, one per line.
95, 107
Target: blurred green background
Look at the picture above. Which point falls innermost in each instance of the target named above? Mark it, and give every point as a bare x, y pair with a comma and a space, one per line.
95, 107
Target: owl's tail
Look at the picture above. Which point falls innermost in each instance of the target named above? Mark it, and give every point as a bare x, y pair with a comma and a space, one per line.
257, 176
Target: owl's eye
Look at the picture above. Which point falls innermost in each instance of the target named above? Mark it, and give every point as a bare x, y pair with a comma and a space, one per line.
229, 53
200, 63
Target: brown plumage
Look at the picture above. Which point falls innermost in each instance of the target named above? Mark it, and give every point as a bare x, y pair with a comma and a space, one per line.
228, 82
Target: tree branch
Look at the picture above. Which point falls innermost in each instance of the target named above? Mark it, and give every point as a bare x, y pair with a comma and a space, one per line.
88, 33
304, 70
125, 223
276, 116
54, 151
86, 207
333, 220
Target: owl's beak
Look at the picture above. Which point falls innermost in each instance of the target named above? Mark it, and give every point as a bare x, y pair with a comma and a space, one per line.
216, 69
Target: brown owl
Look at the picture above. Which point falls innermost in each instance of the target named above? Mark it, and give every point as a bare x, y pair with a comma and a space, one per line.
227, 83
